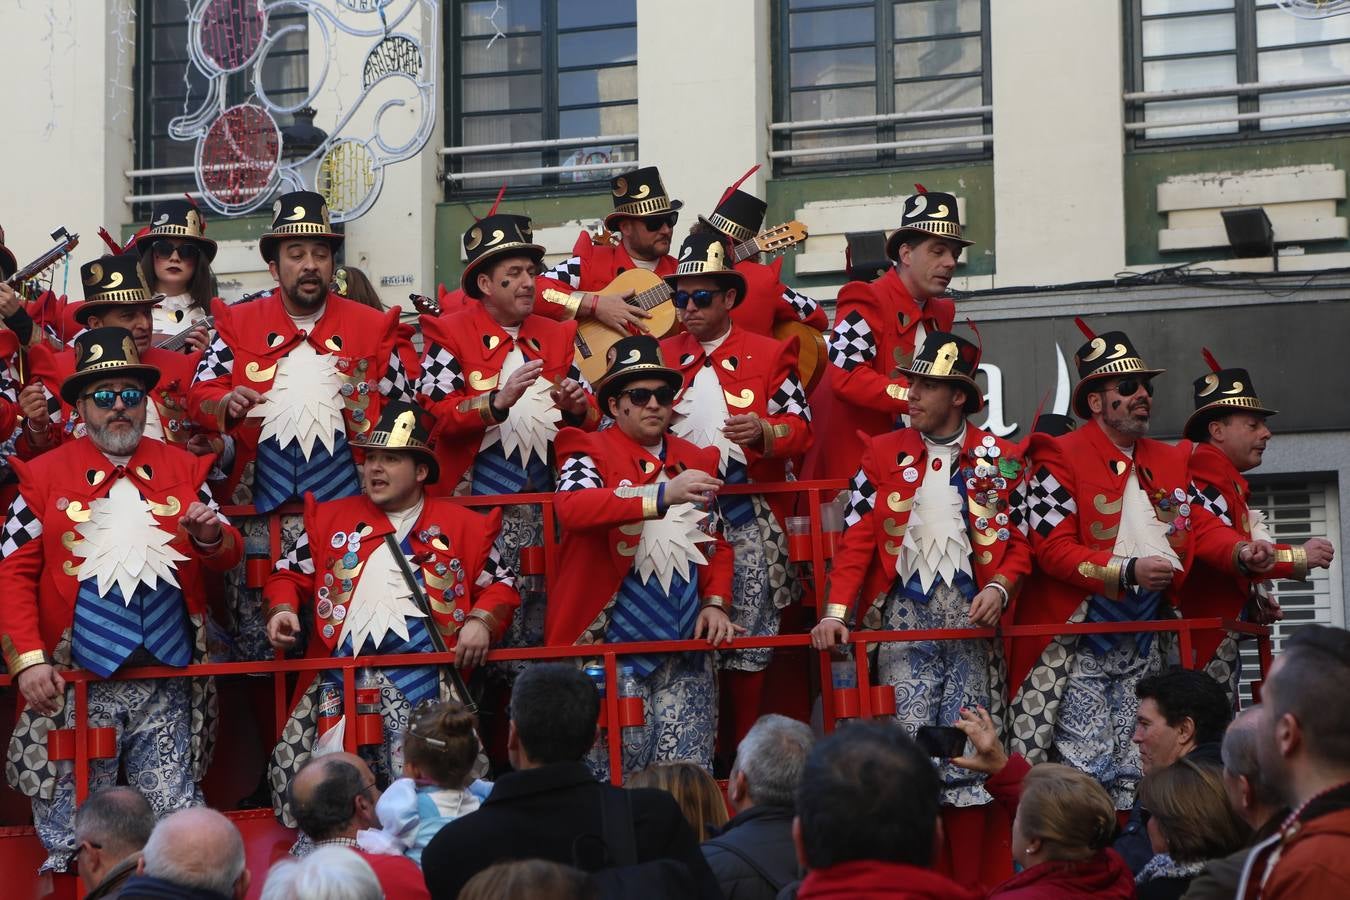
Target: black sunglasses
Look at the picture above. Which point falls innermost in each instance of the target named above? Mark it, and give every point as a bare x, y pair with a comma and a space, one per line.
702, 298
131, 398
187, 251
665, 395
655, 223
1127, 387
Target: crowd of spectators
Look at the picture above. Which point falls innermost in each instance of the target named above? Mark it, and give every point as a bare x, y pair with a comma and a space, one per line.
1259, 808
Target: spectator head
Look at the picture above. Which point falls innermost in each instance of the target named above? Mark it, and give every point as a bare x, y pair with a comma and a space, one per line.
334, 796
110, 827
196, 849
529, 879
693, 788
1305, 747
1064, 815
554, 710
1178, 710
328, 873
1250, 793
769, 763
440, 744
867, 793
1187, 814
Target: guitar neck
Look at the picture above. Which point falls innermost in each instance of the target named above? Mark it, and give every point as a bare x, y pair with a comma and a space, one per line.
653, 296
179, 340
744, 250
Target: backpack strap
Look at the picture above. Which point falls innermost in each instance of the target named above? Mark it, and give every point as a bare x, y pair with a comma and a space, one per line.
759, 870
616, 824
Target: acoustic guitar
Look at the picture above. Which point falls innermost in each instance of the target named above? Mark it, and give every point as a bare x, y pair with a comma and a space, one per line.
652, 294
812, 353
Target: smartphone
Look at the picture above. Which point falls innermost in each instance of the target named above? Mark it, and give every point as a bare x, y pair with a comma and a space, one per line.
941, 741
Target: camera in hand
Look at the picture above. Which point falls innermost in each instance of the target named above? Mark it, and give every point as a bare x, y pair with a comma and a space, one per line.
941, 741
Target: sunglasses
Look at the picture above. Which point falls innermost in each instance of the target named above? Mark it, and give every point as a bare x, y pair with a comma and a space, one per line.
187, 252
664, 395
1128, 387
702, 298
656, 223
131, 398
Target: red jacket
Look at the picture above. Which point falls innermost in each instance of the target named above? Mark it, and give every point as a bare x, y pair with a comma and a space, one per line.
1313, 861
865, 563
1217, 485
451, 560
869, 396
753, 369
399, 877
256, 335
870, 879
765, 303
1103, 876
57, 489
591, 268
596, 545
457, 392
1073, 544
51, 367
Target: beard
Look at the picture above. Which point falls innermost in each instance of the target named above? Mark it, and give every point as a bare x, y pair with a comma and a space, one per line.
116, 443
306, 296
1123, 420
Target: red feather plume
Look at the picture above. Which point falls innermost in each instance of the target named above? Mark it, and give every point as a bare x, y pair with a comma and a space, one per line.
1083, 327
1209, 358
920, 188
739, 181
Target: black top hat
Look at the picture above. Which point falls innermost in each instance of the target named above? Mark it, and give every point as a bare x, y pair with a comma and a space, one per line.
403, 428
738, 215
112, 281
1054, 424
632, 358
299, 214
639, 193
949, 357
1219, 393
106, 353
704, 254
930, 212
495, 235
1104, 356
176, 219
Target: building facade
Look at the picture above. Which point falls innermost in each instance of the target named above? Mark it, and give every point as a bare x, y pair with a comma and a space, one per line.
1093, 147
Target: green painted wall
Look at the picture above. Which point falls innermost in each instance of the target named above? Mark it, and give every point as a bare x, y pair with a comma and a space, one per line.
974, 183
453, 219
1146, 169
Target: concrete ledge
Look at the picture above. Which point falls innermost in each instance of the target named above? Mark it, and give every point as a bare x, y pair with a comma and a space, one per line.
1289, 184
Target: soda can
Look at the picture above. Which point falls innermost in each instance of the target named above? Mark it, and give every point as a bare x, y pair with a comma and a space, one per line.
596, 673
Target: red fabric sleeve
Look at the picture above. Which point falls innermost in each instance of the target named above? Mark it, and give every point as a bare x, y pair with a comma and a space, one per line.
864, 385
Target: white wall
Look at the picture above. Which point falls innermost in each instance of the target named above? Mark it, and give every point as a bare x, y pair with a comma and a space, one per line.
68, 124
1059, 190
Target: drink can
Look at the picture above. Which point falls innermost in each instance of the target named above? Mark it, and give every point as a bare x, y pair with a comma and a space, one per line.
596, 673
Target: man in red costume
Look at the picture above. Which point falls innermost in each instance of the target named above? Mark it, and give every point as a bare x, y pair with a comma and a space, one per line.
293, 377
877, 328
738, 218
644, 217
345, 576
633, 502
101, 551
934, 539
741, 395
1115, 539
500, 380
1230, 434
115, 294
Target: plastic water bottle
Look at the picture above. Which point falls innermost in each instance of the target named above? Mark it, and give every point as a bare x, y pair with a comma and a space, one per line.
843, 672
632, 734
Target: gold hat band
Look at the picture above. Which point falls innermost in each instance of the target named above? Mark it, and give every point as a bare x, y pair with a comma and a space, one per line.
646, 207
641, 367
382, 440
1235, 402
300, 228
940, 227
726, 226
924, 367
126, 295
1120, 367
497, 250
111, 364
173, 231
700, 267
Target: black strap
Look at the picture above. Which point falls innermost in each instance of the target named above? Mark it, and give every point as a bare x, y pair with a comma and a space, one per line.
616, 826
437, 640
749, 861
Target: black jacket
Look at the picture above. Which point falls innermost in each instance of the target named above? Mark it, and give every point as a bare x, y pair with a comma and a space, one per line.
553, 813
763, 834
1132, 843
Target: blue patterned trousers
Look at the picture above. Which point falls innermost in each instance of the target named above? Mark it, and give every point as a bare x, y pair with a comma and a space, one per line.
679, 699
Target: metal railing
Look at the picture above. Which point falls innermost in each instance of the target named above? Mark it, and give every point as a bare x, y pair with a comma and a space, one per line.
1137, 101
839, 123
528, 146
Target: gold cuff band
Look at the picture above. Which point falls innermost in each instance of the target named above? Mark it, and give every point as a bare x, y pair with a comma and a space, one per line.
717, 602
836, 611
278, 609
897, 391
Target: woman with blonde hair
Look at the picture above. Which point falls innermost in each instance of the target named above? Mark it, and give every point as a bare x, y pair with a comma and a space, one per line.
529, 879
1190, 821
697, 792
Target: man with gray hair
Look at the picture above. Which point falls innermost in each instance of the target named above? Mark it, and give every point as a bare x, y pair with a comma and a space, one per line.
753, 856
1252, 797
110, 829
328, 873
193, 854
